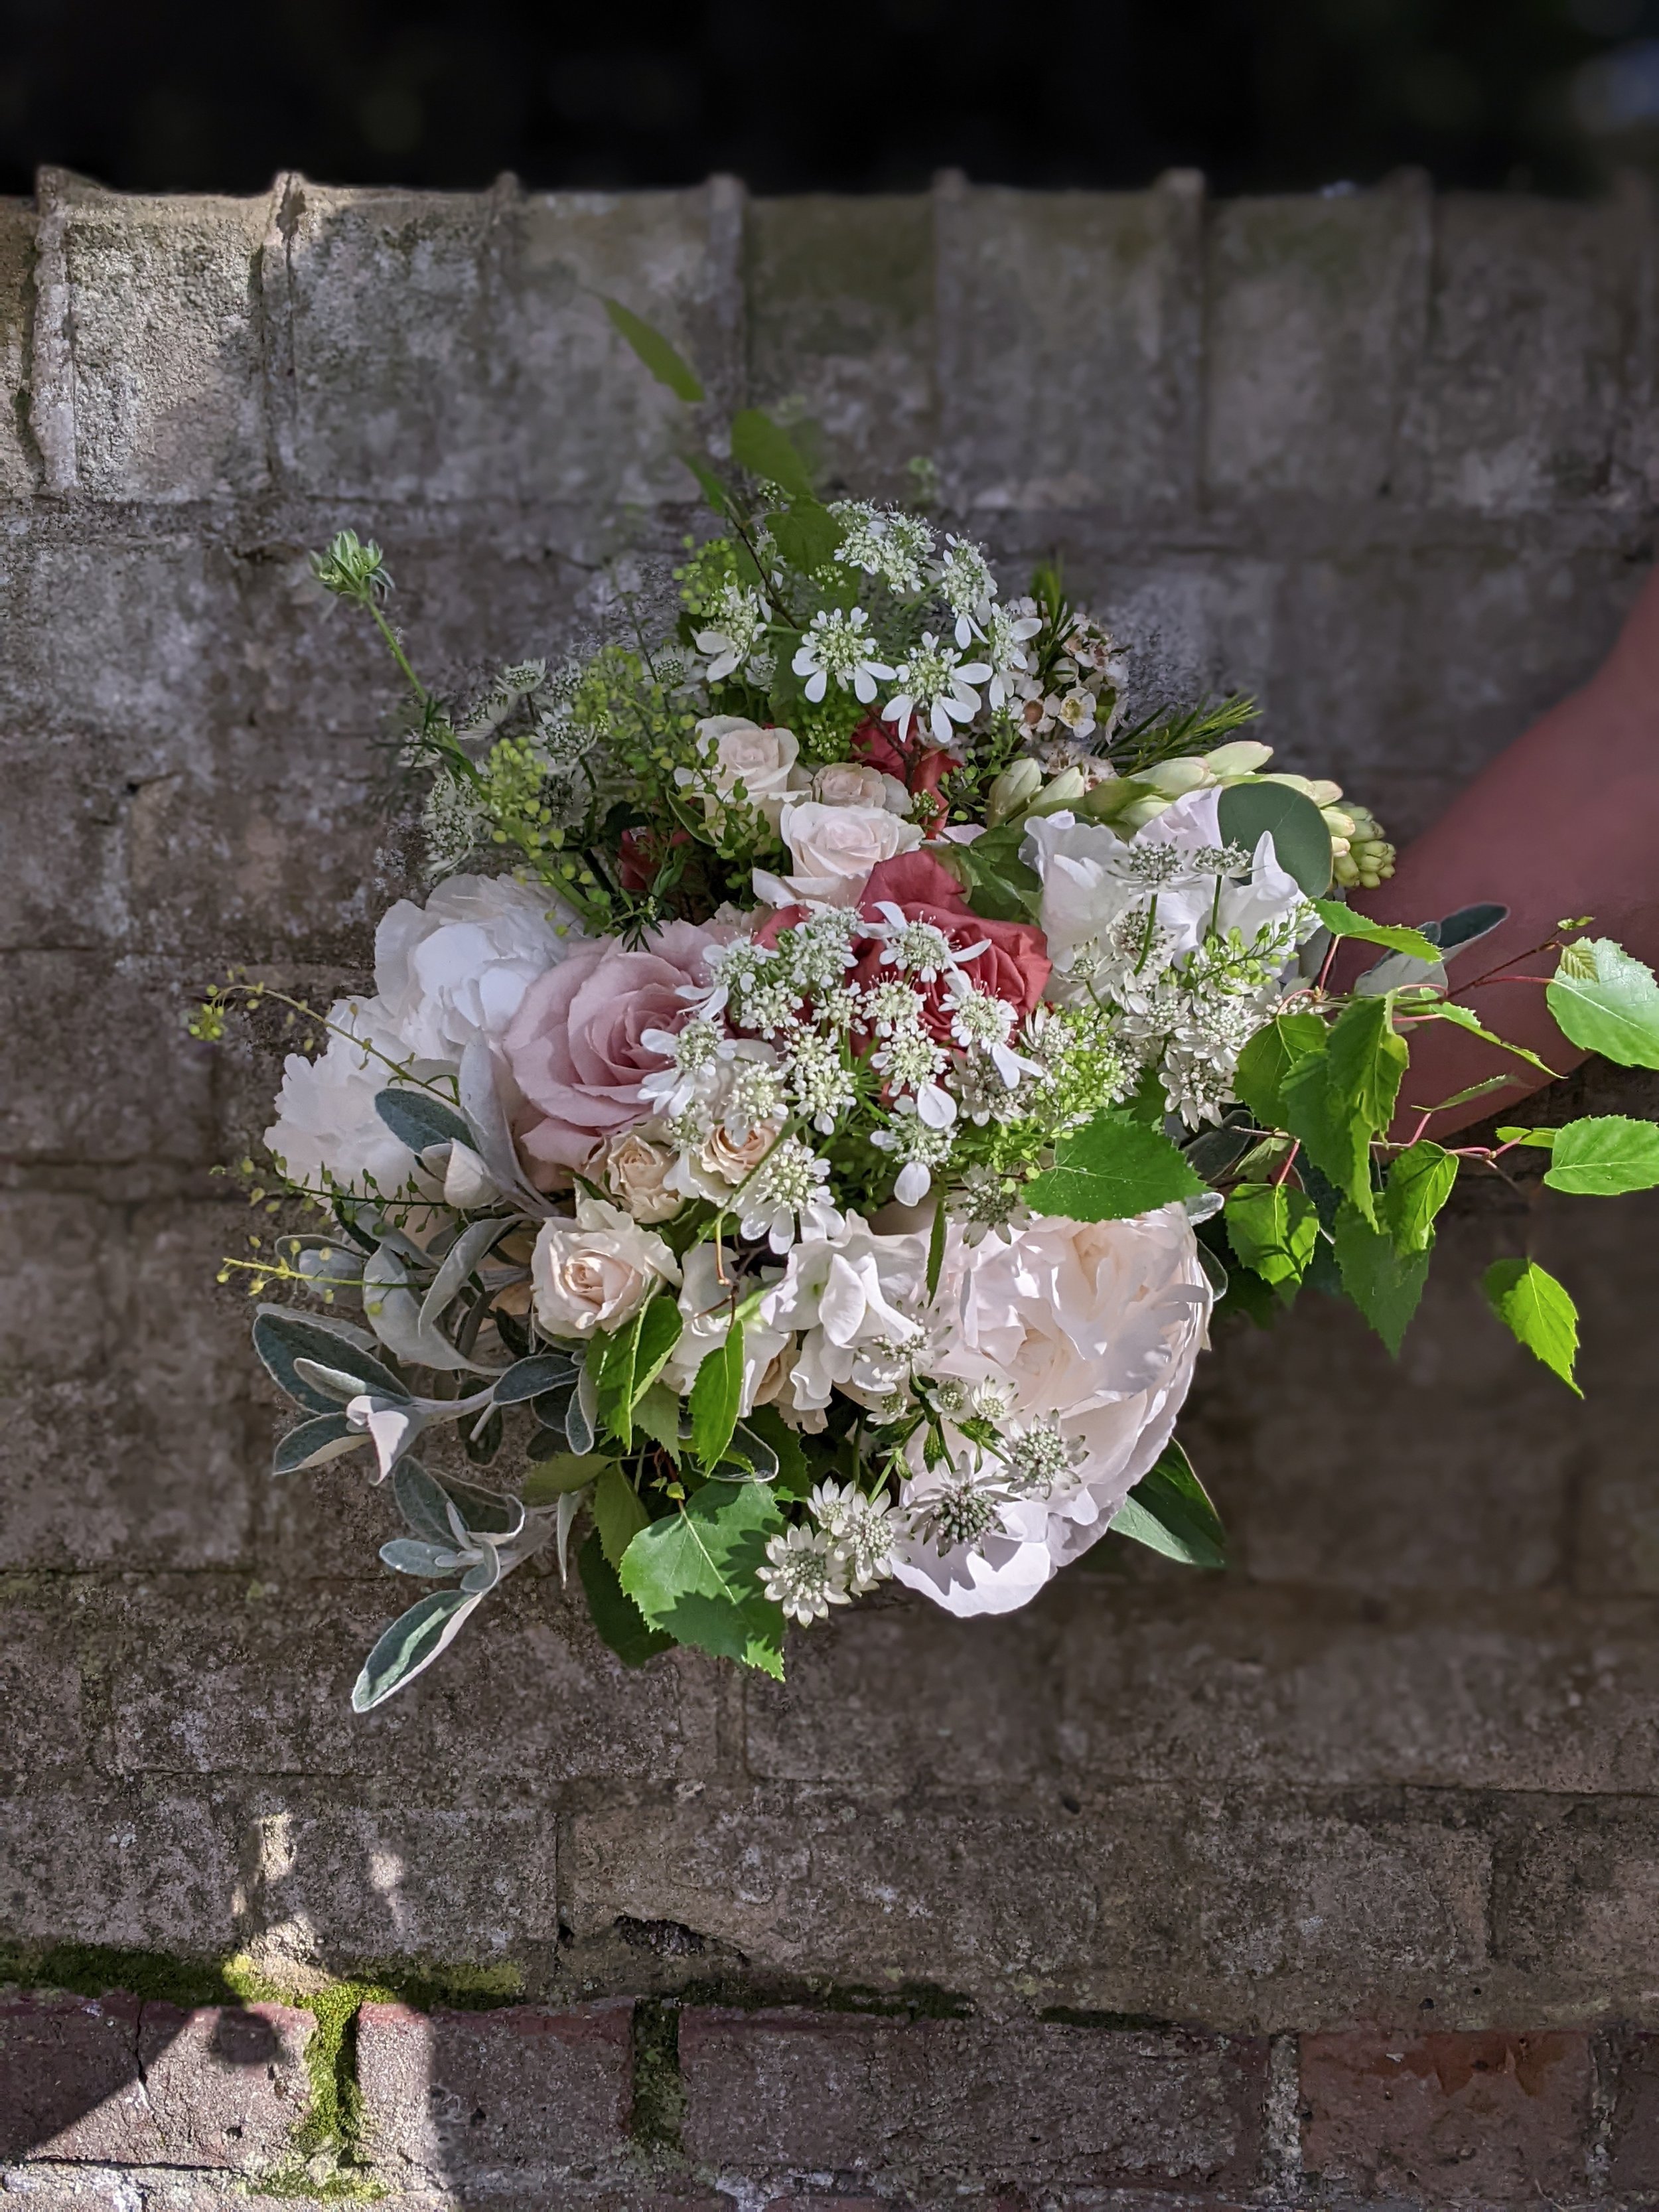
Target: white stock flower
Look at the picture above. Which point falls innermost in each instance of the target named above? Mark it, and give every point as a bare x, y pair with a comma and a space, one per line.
597, 1272
1092, 1330
834, 848
838, 647
860, 1299
457, 968
735, 750
326, 1125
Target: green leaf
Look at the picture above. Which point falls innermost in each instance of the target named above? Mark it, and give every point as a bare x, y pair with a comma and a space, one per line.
1462, 1098
1170, 1512
936, 1246
695, 1574
1543, 1138
654, 350
1111, 1168
559, 1473
1461, 1017
625, 1364
660, 1331
1000, 886
281, 1337
806, 534
657, 1415
619, 1621
795, 1477
1603, 1155
1333, 1135
1538, 1312
417, 1119
1366, 1058
716, 1395
1302, 843
767, 451
1384, 1283
1342, 921
1268, 1058
1420, 1183
712, 488
617, 1513
410, 1646
1273, 1229
1606, 1001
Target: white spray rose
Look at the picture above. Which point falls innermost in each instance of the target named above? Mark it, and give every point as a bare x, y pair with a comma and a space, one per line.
854, 783
736, 750
457, 968
326, 1124
1090, 1330
834, 849
634, 1167
596, 1273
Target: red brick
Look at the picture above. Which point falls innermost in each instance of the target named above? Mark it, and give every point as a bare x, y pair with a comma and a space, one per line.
1491, 2115
523, 2095
1025, 2102
109, 2079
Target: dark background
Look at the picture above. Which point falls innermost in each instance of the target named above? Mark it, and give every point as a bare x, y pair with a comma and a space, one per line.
873, 94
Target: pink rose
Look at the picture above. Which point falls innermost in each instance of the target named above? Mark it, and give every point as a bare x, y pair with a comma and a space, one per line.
1014, 965
574, 1044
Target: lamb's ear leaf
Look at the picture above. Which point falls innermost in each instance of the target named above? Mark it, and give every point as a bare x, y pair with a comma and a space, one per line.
665, 362
417, 1119
1169, 1511
281, 1337
313, 1443
410, 1646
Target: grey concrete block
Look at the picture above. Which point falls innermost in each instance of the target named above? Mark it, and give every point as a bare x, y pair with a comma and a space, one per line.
1069, 337
497, 2103
121, 1869
1035, 2105
154, 387
840, 324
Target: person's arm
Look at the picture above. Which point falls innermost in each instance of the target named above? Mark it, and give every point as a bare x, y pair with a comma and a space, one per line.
1564, 823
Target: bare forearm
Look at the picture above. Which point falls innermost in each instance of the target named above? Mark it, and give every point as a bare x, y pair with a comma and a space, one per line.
1564, 823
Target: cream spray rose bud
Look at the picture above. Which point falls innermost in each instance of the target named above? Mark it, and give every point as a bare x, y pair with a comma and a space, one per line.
597, 1272
1013, 792
633, 1167
1241, 757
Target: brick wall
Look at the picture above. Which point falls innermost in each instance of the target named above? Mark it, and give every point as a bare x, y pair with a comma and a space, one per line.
1336, 1877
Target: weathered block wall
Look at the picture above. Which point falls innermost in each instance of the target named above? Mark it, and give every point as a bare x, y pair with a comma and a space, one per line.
1387, 460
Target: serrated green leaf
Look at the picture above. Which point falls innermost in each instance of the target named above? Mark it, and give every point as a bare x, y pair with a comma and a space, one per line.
716, 1395
1170, 1512
1463, 1018
695, 1574
1420, 1183
1342, 921
1333, 1136
620, 1623
1538, 1312
1541, 1139
1604, 1155
936, 1246
657, 1415
719, 499
617, 1513
665, 363
1111, 1169
625, 1364
410, 1646
1606, 1001
1269, 1057
1302, 842
560, 1473
660, 1331
1366, 1058
806, 534
1386, 1285
767, 451
1462, 1098
1273, 1229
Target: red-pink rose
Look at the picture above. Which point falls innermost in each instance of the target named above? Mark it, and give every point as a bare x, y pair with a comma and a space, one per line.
918, 768
1014, 965
574, 1046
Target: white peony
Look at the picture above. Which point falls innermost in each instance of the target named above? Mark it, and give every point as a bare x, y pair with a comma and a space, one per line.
706, 1323
860, 1300
326, 1127
736, 750
1090, 1329
1093, 880
457, 968
834, 849
597, 1272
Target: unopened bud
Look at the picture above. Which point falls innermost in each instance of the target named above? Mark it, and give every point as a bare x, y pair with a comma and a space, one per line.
1068, 787
1319, 789
1175, 778
1243, 757
1012, 791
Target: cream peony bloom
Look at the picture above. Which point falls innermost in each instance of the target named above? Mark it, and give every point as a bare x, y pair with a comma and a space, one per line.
634, 1167
834, 849
326, 1124
457, 968
736, 750
1087, 1329
596, 1273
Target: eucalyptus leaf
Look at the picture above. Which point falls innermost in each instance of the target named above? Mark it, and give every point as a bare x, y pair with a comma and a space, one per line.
410, 1646
1302, 842
492, 1139
395, 1313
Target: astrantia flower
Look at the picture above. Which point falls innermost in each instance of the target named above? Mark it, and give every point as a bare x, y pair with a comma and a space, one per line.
936, 689
862, 1530
803, 1574
838, 645
959, 1508
785, 1196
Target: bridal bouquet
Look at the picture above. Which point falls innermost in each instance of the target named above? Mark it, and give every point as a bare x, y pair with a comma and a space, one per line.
845, 1057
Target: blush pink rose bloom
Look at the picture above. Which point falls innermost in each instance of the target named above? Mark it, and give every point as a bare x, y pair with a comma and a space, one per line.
575, 1045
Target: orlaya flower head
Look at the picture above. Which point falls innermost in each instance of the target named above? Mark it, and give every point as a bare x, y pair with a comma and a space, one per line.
838, 645
935, 689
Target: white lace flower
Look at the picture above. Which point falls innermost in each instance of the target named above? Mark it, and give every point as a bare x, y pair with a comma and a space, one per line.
936, 689
803, 1574
838, 645
823, 1084
1006, 632
981, 1021
967, 587
737, 626
785, 1196
921, 1145
916, 948
884, 543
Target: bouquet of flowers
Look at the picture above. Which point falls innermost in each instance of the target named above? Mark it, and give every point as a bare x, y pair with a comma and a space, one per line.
844, 1059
